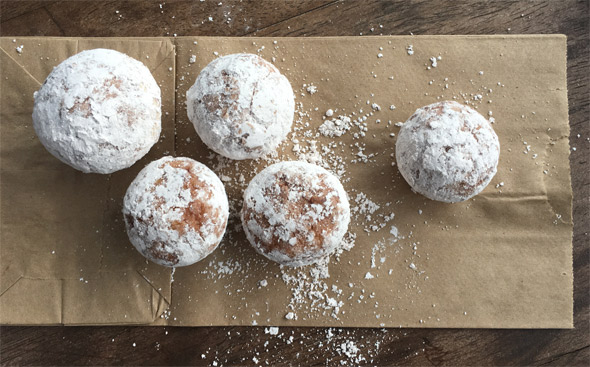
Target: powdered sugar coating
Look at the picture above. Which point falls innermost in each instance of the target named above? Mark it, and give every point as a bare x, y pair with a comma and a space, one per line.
241, 106
447, 151
175, 211
98, 111
295, 213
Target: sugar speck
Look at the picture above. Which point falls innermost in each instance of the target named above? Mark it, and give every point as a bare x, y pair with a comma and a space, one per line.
273, 330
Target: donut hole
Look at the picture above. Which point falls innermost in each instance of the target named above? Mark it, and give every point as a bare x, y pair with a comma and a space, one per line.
295, 217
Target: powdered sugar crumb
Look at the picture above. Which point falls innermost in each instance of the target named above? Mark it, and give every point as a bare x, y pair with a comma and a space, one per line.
273, 330
312, 89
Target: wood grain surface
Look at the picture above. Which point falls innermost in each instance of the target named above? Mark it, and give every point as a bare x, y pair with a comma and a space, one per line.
311, 346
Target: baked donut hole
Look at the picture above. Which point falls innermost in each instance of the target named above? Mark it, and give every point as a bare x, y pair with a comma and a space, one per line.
98, 111
175, 211
241, 106
447, 152
295, 213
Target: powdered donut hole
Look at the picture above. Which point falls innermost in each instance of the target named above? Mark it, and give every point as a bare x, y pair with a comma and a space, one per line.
241, 106
98, 111
295, 213
447, 152
175, 211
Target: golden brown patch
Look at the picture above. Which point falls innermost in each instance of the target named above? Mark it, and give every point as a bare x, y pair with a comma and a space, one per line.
114, 82
464, 189
179, 163
199, 211
130, 114
108, 83
157, 251
83, 107
130, 221
157, 183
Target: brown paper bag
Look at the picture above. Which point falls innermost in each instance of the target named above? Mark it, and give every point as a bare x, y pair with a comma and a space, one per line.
500, 260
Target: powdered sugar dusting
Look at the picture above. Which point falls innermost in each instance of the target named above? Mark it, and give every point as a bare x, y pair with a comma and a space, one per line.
241, 106
447, 151
175, 211
295, 213
98, 111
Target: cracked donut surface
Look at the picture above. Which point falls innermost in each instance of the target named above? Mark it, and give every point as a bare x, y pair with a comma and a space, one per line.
175, 211
295, 213
241, 106
447, 151
98, 111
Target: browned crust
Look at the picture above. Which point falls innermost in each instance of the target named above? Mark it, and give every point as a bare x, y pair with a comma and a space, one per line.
199, 211
157, 250
83, 106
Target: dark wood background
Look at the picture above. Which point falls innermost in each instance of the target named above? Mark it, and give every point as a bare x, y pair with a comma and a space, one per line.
238, 345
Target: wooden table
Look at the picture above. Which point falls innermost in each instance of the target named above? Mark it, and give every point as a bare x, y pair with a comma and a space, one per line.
309, 346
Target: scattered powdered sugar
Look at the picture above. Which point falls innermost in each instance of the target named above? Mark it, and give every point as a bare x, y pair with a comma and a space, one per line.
241, 106
98, 111
312, 89
273, 330
335, 127
311, 294
350, 350
393, 231
433, 62
328, 346
365, 206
